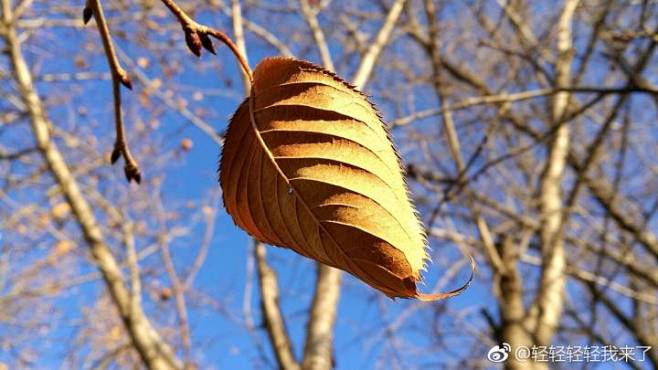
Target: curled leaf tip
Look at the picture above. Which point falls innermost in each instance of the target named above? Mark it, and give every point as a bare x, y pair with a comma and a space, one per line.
439, 296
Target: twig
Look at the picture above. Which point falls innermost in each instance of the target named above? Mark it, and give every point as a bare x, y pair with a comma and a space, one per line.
460, 181
268, 37
238, 31
197, 36
4, 156
382, 38
595, 148
170, 101
520, 96
115, 67
525, 34
272, 317
130, 167
195, 267
318, 34
119, 76
178, 290
178, 286
452, 139
152, 349
583, 274
22, 7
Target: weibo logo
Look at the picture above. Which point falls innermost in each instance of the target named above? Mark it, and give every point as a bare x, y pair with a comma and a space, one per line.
499, 353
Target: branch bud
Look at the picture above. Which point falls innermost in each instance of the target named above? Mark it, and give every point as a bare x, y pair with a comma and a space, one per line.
207, 43
193, 42
116, 153
87, 13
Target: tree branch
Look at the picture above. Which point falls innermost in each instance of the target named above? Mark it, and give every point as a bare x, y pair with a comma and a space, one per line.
322, 318
119, 76
547, 306
197, 36
318, 35
370, 57
273, 319
451, 137
153, 351
520, 96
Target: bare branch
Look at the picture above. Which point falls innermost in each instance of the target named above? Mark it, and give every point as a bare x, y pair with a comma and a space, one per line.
119, 76
272, 317
432, 50
370, 58
318, 35
154, 352
238, 30
197, 37
319, 330
547, 306
170, 101
516, 97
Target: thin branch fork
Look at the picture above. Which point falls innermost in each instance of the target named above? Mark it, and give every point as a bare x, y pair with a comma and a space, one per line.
452, 139
197, 36
310, 16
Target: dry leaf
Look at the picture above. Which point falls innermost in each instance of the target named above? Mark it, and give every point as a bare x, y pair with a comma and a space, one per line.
307, 164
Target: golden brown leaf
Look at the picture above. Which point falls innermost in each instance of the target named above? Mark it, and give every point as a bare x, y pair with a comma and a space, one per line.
307, 164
